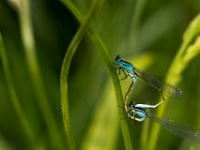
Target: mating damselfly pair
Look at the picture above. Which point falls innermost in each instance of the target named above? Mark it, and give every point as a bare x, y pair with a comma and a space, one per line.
137, 112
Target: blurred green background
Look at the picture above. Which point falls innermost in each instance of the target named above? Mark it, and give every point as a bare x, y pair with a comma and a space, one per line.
146, 33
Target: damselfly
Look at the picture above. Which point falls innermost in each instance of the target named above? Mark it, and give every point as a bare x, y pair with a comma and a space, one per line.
137, 112
131, 71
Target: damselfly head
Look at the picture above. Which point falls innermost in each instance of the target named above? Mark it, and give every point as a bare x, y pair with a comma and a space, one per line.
132, 104
118, 58
179, 92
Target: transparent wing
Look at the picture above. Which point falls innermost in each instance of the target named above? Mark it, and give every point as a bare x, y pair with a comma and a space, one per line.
161, 86
176, 128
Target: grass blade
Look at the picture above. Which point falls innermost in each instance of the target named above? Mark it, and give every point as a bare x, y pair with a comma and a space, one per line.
66, 65
186, 53
106, 56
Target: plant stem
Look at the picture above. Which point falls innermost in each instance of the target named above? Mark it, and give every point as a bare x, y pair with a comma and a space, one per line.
66, 66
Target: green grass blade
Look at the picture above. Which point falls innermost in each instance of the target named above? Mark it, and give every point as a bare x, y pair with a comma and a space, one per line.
66, 65
105, 55
104, 52
14, 98
187, 52
28, 40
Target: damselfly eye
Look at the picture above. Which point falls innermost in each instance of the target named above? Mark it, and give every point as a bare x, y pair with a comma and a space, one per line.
132, 104
118, 58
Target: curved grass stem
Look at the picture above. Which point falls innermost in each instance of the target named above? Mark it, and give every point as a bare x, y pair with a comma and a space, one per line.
66, 65
189, 48
106, 56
